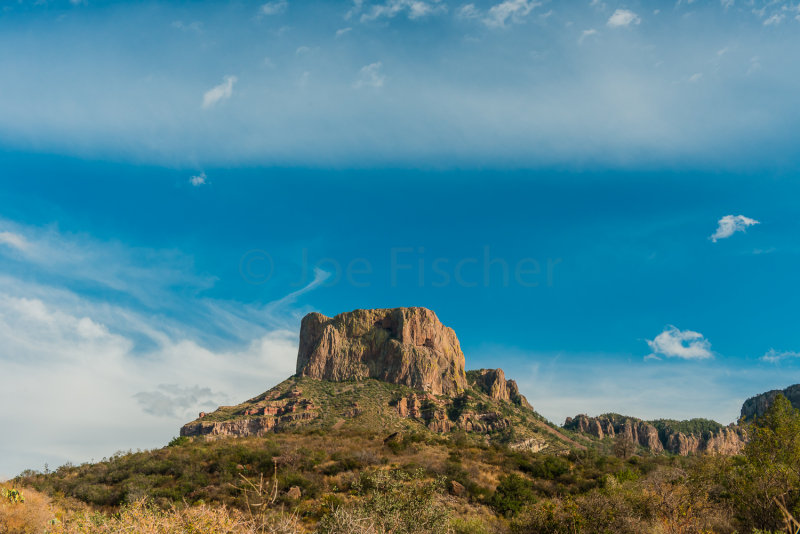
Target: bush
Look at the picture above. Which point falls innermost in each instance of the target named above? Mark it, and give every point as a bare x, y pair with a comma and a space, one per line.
511, 495
391, 501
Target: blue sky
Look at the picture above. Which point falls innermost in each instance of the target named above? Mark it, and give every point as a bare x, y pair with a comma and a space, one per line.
598, 197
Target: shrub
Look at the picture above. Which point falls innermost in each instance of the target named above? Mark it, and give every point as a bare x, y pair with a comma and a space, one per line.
511, 495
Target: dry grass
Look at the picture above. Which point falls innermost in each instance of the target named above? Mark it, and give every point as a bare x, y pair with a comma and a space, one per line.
33, 515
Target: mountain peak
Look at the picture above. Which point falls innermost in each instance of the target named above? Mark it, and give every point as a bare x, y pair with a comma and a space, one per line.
406, 346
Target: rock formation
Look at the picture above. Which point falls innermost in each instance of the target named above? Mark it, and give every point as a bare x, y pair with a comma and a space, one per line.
407, 346
757, 406
723, 440
493, 382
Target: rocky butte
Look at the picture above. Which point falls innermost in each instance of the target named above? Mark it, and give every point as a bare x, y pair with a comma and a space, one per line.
407, 346
387, 370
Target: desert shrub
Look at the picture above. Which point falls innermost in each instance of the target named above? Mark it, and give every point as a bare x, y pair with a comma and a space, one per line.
391, 501
143, 517
511, 495
547, 467
178, 441
469, 526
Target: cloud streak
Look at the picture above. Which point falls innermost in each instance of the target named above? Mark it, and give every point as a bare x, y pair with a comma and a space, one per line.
219, 92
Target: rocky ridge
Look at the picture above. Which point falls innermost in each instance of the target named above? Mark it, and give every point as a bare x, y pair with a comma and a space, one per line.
661, 436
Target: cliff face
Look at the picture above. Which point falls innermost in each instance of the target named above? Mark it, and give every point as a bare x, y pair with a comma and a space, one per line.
757, 406
493, 382
407, 346
723, 440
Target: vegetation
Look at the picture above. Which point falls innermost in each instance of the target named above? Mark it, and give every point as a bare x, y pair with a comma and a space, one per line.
416, 482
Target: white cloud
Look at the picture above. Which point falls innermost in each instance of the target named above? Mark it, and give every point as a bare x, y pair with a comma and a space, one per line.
342, 31
13, 240
774, 356
622, 18
511, 10
585, 34
370, 76
774, 19
468, 11
726, 3
694, 78
274, 8
219, 93
685, 344
198, 180
730, 224
413, 8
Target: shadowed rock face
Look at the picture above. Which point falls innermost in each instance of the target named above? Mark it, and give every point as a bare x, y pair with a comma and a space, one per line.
408, 346
757, 406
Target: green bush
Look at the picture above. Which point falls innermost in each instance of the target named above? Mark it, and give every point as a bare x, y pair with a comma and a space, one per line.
512, 494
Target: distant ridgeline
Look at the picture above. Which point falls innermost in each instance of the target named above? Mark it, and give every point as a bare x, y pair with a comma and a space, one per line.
401, 370
663, 435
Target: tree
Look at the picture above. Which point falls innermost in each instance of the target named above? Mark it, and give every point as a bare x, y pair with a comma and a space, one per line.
769, 472
624, 446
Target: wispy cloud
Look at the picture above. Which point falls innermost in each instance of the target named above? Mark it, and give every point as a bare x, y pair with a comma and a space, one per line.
585, 34
219, 92
468, 11
509, 11
730, 224
274, 8
774, 19
13, 240
342, 31
775, 356
173, 400
194, 26
684, 344
622, 18
414, 9
370, 76
198, 180
97, 361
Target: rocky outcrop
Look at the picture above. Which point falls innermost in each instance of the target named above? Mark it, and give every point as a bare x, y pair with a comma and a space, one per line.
493, 382
757, 406
408, 346
635, 430
724, 440
259, 426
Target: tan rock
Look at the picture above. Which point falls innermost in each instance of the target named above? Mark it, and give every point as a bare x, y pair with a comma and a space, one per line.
493, 382
408, 346
294, 493
457, 489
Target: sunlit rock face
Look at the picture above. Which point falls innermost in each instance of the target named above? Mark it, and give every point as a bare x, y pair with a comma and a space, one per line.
407, 346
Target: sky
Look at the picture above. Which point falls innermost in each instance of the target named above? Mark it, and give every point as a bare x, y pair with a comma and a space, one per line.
598, 197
